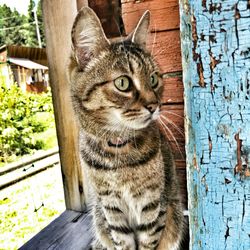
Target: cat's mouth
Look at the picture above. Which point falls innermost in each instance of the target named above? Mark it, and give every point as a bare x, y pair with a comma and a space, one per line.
118, 142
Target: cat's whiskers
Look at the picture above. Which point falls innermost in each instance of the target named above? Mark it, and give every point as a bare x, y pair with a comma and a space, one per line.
160, 51
168, 130
103, 135
173, 124
154, 39
172, 113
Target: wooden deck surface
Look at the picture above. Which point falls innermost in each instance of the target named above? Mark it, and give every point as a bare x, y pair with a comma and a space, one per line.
70, 231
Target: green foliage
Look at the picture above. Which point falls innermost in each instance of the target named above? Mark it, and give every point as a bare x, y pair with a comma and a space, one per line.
32, 39
40, 22
19, 29
19, 121
9, 19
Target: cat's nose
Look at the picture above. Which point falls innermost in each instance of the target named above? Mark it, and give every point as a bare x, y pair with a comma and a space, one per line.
152, 107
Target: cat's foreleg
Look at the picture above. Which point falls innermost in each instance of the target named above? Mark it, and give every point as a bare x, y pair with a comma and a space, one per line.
122, 234
102, 236
149, 233
172, 233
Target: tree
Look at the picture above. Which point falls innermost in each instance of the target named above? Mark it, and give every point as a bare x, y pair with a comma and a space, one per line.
40, 23
19, 29
32, 37
12, 27
11, 24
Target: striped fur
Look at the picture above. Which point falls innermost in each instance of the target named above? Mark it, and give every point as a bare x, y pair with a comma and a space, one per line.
134, 192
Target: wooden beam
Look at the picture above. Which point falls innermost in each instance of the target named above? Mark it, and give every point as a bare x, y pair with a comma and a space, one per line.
58, 19
19, 76
216, 75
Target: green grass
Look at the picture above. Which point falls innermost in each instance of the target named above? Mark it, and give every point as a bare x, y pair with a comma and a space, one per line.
18, 219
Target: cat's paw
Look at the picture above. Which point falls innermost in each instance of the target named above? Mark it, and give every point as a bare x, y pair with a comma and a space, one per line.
97, 246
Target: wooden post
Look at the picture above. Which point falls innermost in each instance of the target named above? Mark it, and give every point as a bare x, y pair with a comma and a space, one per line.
19, 81
216, 73
58, 19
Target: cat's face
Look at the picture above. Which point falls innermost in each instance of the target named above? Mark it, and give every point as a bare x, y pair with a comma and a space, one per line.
117, 86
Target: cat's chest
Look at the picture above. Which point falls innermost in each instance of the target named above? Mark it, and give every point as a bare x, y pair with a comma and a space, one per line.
130, 189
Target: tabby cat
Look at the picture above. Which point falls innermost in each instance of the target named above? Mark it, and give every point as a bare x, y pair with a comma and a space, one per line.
116, 90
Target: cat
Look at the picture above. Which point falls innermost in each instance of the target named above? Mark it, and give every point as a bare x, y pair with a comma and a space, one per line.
116, 90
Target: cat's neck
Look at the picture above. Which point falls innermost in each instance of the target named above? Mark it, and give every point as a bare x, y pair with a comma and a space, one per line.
121, 139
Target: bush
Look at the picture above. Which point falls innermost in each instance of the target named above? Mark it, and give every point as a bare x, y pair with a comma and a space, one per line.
18, 121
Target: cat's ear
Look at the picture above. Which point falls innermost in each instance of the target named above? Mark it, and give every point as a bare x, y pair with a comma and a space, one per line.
140, 34
88, 37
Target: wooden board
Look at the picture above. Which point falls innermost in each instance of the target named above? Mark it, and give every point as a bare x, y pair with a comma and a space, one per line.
173, 90
109, 15
70, 231
181, 174
164, 14
165, 47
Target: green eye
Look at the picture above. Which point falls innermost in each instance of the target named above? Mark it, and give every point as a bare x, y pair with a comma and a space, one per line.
122, 83
154, 80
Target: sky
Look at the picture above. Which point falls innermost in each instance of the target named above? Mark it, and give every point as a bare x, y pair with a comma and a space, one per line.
20, 5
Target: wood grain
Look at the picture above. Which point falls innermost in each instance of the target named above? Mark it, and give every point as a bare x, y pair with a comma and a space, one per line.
70, 231
216, 73
164, 14
109, 15
181, 174
57, 30
173, 90
165, 47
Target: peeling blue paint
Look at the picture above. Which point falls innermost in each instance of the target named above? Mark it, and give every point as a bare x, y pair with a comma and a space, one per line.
215, 37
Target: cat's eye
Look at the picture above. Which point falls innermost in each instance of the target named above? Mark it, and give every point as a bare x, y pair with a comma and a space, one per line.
154, 80
122, 83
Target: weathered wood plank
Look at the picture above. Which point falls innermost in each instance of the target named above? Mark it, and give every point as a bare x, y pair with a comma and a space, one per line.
181, 174
216, 75
165, 47
70, 231
58, 19
164, 14
109, 15
173, 90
